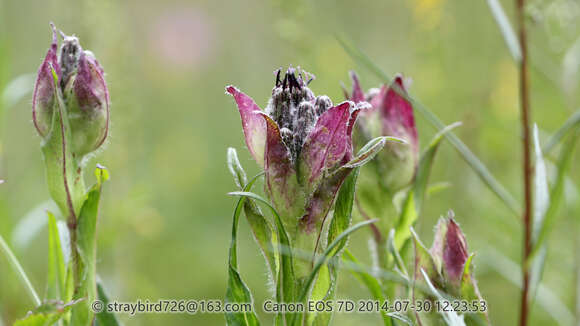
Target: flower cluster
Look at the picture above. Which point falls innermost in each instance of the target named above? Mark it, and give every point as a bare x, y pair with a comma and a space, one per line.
303, 142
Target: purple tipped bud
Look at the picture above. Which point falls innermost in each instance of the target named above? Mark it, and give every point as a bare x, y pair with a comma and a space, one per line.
80, 86
45, 92
90, 99
391, 114
449, 250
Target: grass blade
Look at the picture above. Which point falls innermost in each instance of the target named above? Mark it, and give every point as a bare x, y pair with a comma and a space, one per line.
370, 282
476, 164
506, 29
574, 120
556, 192
13, 261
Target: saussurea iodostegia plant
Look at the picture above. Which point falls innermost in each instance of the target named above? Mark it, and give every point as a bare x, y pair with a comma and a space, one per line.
304, 144
70, 110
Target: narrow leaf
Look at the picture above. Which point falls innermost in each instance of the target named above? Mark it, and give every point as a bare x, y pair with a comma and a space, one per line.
237, 291
450, 317
572, 121
414, 201
370, 282
506, 29
236, 168
557, 191
105, 318
323, 258
286, 279
56, 265
370, 150
87, 250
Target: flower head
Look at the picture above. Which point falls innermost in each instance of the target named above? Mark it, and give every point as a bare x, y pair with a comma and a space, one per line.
391, 114
303, 142
74, 80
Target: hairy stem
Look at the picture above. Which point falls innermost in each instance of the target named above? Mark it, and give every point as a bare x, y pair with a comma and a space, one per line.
527, 164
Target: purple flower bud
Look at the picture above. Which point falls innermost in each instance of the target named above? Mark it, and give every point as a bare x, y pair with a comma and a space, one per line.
390, 115
45, 92
300, 140
90, 103
449, 250
80, 86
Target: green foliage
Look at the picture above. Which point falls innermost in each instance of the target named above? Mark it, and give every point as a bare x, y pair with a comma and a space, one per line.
56, 287
237, 290
370, 282
414, 200
87, 250
105, 318
47, 314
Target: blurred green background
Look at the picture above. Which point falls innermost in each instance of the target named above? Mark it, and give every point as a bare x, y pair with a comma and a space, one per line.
165, 220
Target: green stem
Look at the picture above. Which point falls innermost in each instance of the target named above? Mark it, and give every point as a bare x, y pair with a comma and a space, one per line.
19, 271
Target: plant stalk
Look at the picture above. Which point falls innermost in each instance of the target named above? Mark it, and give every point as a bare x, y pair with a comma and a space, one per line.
13, 261
527, 164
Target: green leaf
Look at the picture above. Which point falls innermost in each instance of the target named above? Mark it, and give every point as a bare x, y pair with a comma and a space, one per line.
105, 318
425, 163
286, 279
395, 253
46, 314
326, 255
541, 193
370, 150
450, 317
87, 251
424, 260
236, 168
370, 282
325, 286
476, 164
56, 287
342, 216
263, 235
573, 121
556, 192
506, 29
237, 291
414, 200
541, 204
261, 228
